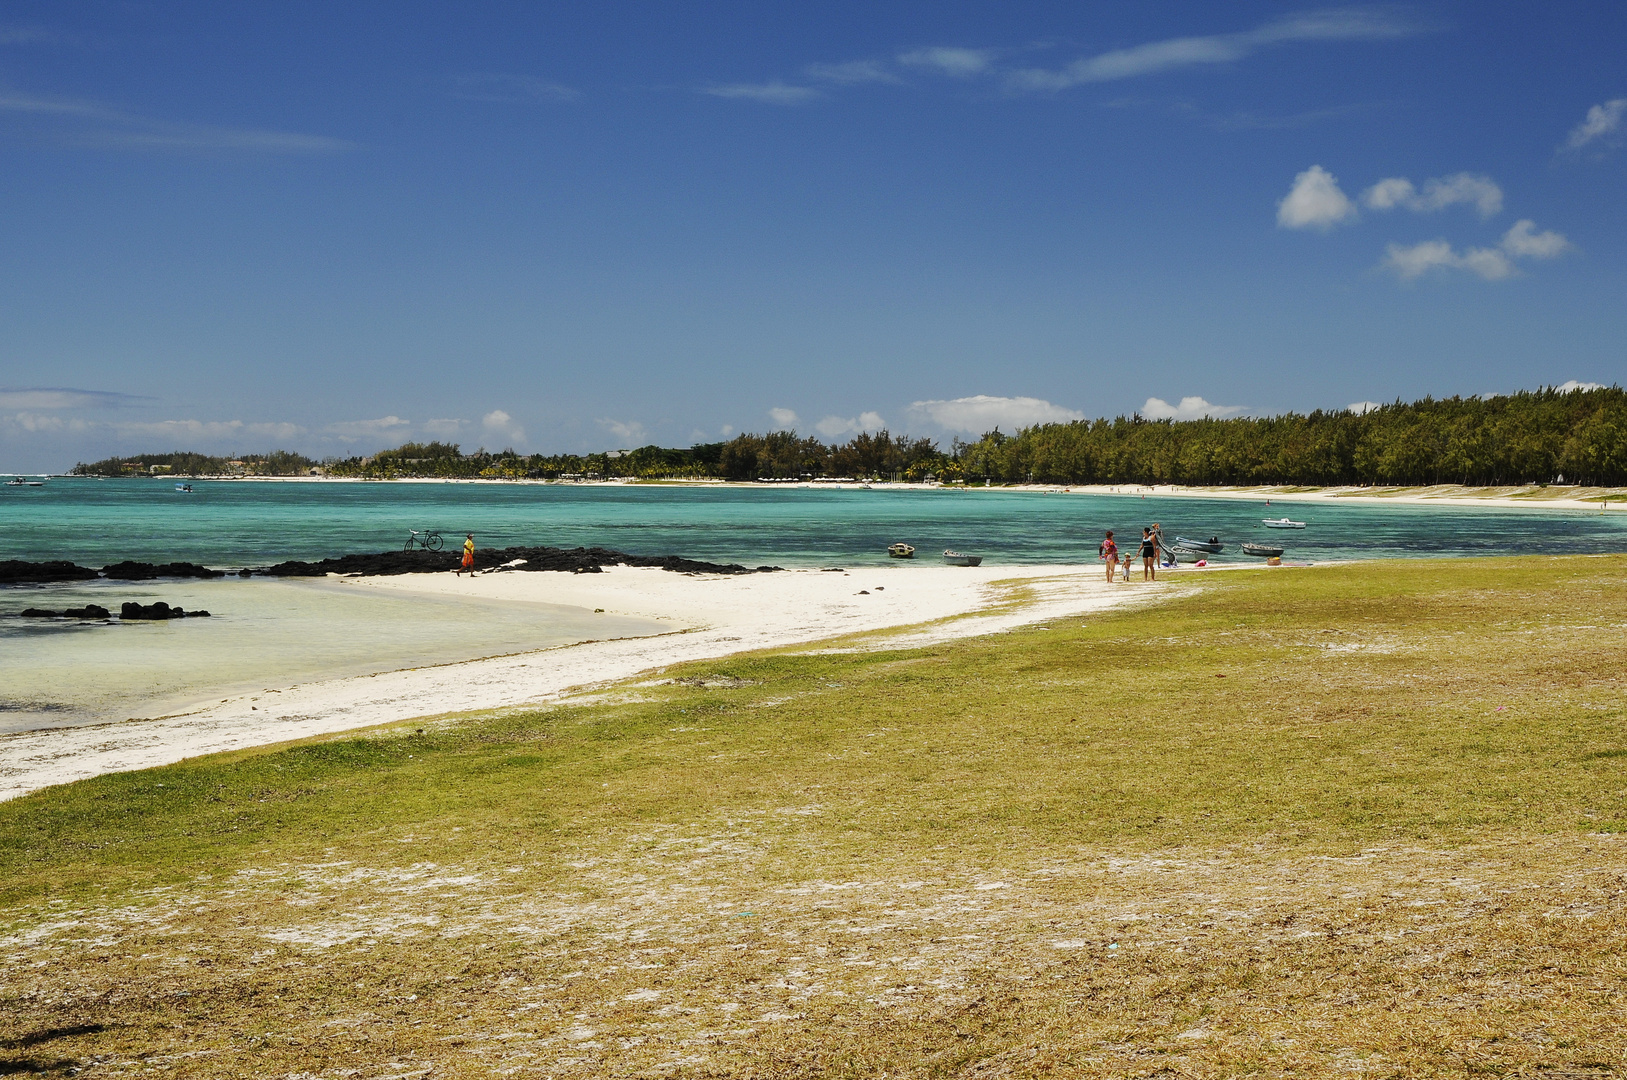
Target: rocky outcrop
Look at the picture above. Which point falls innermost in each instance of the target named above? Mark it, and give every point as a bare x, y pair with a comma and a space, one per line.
571, 560
160, 610
146, 571
89, 611
15, 572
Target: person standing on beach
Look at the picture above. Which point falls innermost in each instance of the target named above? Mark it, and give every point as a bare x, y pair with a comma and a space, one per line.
1110, 555
468, 555
1149, 556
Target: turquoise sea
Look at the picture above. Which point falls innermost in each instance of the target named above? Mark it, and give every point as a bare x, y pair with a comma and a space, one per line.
265, 633
238, 523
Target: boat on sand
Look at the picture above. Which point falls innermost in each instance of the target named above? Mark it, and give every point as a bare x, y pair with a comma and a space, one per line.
1264, 551
957, 558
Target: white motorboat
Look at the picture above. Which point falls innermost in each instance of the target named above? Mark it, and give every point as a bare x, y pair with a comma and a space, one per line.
1281, 523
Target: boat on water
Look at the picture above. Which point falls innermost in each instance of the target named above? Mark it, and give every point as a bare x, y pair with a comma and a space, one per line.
20, 482
1264, 551
1212, 545
957, 558
1281, 523
901, 551
183, 487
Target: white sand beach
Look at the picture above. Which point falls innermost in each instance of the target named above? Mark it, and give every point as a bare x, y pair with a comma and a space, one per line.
1596, 500
711, 616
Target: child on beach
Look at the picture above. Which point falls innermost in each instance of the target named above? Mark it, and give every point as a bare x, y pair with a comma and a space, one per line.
1124, 561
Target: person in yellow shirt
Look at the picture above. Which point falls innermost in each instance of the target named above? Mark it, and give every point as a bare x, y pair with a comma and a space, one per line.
468, 555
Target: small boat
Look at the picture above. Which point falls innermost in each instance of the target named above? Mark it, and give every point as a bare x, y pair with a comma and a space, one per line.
901, 551
955, 558
20, 482
1281, 523
183, 487
1212, 545
1264, 551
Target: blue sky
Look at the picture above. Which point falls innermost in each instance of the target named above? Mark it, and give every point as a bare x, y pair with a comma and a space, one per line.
333, 228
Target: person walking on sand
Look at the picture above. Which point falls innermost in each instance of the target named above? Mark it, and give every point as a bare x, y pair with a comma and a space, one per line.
468, 555
1149, 556
1110, 555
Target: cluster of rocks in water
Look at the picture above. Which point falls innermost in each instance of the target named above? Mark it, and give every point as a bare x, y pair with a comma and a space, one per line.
129, 611
572, 560
16, 572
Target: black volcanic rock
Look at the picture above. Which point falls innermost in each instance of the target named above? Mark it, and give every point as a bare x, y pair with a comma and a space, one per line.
145, 571
89, 611
158, 611
574, 560
15, 572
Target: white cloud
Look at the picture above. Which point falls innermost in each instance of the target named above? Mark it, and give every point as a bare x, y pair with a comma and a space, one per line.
1388, 194
1417, 260
984, 413
359, 429
207, 429
1523, 241
1439, 193
630, 432
852, 73
774, 93
784, 417
103, 125
949, 60
1314, 202
1362, 407
1570, 385
832, 426
1174, 53
726, 430
33, 422
1601, 120
443, 426
1190, 408
501, 423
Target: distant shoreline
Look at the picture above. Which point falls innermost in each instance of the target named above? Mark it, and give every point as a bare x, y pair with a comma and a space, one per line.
1549, 497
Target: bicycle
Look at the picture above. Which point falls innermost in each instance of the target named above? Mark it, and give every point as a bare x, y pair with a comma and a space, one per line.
429, 540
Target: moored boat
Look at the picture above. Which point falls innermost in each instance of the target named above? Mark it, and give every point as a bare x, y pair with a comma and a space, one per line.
901, 551
1212, 545
1264, 551
956, 558
1281, 523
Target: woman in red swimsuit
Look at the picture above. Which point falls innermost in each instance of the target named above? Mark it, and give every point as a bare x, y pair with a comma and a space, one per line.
1110, 555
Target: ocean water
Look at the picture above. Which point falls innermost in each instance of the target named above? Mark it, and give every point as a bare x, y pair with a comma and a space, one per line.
267, 633
261, 634
238, 523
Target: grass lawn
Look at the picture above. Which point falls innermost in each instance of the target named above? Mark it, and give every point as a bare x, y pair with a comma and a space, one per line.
1365, 820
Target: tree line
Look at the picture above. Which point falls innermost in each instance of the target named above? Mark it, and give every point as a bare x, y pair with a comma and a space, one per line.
1542, 436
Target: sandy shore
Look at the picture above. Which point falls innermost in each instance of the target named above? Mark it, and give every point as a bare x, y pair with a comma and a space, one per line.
1597, 500
1551, 497
710, 617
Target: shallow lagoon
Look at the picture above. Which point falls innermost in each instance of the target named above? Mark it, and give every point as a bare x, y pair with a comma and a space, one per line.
261, 634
